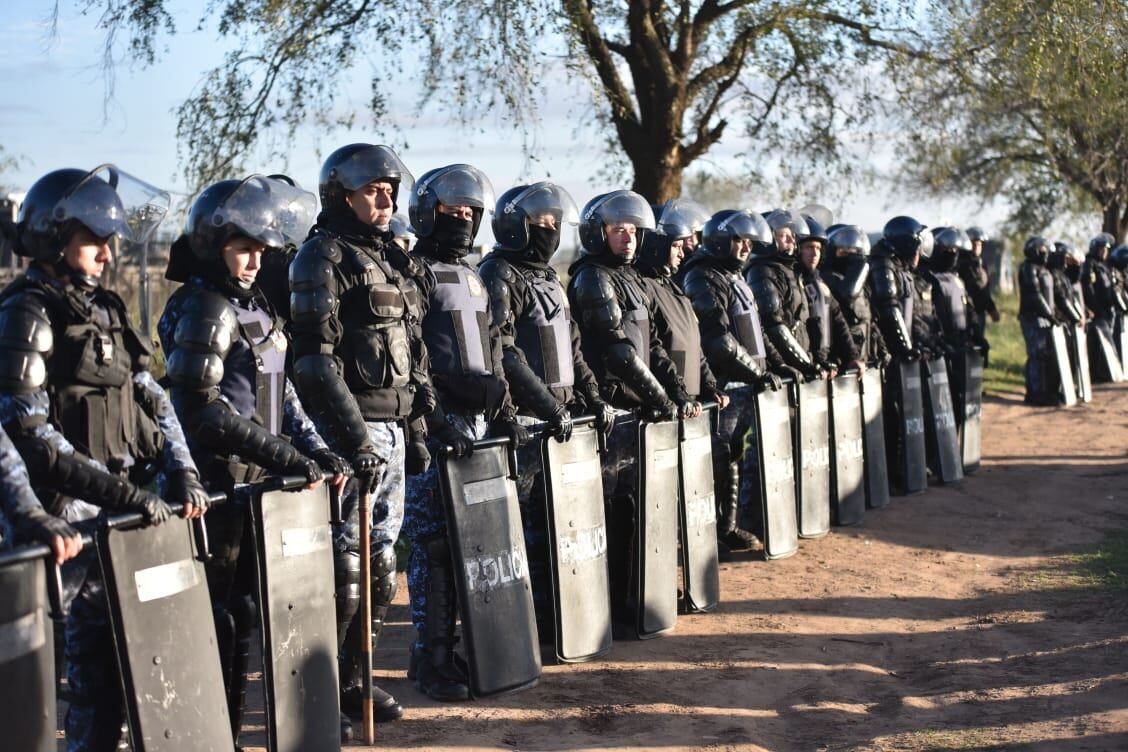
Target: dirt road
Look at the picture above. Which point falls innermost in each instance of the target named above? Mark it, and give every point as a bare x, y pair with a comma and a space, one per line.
957, 619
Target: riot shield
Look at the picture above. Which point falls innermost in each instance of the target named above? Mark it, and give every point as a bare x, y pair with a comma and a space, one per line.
701, 580
165, 638
488, 549
776, 473
812, 449
299, 630
1067, 390
905, 442
873, 438
581, 595
967, 403
27, 657
656, 567
1079, 356
1105, 361
847, 453
942, 438
1122, 346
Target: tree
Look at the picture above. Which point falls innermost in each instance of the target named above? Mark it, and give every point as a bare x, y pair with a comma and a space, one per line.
667, 76
1031, 105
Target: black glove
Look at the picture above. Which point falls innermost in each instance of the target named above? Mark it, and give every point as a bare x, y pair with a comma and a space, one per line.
516, 432
771, 381
305, 468
416, 458
367, 466
659, 413
40, 526
604, 418
688, 408
152, 507
458, 445
560, 425
332, 463
914, 354
184, 486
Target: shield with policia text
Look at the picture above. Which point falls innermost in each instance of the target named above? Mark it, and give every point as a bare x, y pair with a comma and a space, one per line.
488, 550
656, 567
1079, 356
776, 476
577, 527
812, 461
299, 630
873, 436
967, 402
27, 655
943, 441
904, 423
1066, 388
700, 576
847, 461
164, 634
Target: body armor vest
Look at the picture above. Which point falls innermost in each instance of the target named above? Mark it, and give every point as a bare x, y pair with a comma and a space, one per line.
1035, 280
255, 371
636, 316
951, 305
820, 311
457, 326
544, 332
684, 347
90, 377
374, 313
744, 319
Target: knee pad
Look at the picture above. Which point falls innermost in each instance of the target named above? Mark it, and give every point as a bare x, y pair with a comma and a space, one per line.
384, 580
346, 573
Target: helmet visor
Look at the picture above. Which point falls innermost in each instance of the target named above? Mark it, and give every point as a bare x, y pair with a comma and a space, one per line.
819, 213
268, 210
372, 164
625, 207
782, 218
851, 239
110, 201
746, 225
679, 218
459, 185
543, 199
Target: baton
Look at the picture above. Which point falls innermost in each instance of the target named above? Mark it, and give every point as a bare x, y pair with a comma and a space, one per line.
363, 511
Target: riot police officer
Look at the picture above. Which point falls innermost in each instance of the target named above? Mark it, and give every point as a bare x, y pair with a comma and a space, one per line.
780, 297
845, 270
1037, 317
622, 345
733, 341
891, 280
928, 336
549, 380
22, 517
953, 307
976, 279
361, 371
658, 259
1118, 266
226, 357
1064, 264
1099, 288
76, 396
831, 341
446, 211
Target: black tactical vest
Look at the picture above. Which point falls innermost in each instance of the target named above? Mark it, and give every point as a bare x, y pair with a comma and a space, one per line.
255, 372
457, 326
544, 332
819, 310
951, 304
636, 316
374, 315
744, 318
684, 347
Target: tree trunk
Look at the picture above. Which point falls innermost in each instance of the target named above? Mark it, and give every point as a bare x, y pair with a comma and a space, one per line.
658, 179
1115, 220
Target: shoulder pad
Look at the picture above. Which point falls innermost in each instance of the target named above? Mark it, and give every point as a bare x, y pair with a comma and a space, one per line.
25, 323
208, 323
322, 246
497, 268
592, 285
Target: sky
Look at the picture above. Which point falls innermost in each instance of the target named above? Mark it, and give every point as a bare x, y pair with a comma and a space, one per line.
53, 114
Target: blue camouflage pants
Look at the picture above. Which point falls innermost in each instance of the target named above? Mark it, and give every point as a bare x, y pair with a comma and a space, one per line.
425, 518
387, 504
736, 468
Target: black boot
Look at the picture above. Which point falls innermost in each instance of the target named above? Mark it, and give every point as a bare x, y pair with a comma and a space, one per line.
440, 673
383, 591
729, 534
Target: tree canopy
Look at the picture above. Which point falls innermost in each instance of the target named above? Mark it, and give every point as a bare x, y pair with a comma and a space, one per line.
1030, 104
667, 77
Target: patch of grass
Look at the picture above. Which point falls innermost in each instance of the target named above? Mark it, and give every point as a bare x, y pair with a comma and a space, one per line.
1103, 568
1008, 350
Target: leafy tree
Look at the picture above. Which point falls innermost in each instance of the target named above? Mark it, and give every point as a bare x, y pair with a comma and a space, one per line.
1031, 104
667, 77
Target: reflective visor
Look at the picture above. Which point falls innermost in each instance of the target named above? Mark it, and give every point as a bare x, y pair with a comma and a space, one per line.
371, 164
270, 211
624, 207
459, 185
544, 198
109, 201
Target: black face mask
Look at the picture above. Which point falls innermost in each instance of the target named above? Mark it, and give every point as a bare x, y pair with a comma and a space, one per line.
543, 242
453, 235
